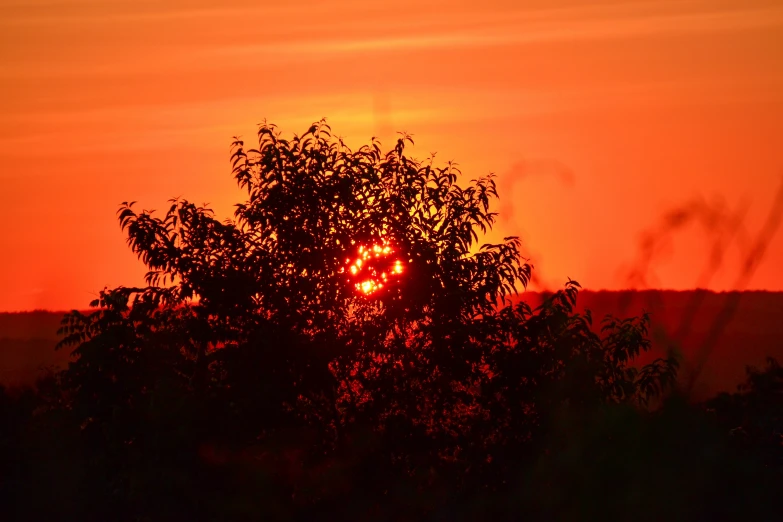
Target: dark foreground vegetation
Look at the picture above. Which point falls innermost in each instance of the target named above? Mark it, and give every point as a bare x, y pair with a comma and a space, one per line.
341, 351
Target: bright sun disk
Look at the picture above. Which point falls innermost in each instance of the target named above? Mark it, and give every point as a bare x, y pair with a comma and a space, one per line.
374, 267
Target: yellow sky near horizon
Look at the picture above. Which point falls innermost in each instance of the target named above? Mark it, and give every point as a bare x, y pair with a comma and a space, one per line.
597, 118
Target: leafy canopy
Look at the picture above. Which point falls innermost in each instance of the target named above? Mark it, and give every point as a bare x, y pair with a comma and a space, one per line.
260, 316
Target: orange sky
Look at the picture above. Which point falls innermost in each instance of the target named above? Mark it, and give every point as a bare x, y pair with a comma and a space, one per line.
597, 118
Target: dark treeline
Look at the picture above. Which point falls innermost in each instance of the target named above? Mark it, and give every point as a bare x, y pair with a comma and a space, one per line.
339, 350
752, 335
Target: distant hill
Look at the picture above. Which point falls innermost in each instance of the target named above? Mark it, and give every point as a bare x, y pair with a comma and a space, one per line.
753, 331
687, 319
27, 342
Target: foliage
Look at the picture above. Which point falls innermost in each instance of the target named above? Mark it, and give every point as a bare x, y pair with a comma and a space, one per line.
753, 416
254, 359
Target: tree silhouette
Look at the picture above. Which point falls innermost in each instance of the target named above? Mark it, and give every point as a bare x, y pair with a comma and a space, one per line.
346, 305
281, 263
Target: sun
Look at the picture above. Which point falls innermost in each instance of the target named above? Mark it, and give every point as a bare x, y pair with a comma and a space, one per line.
373, 267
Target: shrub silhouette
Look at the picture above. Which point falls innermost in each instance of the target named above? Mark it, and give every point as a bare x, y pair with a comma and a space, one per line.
343, 344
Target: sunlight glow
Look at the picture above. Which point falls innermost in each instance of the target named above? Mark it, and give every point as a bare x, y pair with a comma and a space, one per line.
373, 266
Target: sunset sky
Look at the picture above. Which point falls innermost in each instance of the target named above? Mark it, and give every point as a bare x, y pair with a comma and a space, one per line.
597, 117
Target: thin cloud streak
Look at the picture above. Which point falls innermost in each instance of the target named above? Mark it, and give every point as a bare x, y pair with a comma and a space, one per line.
454, 31
548, 32
175, 125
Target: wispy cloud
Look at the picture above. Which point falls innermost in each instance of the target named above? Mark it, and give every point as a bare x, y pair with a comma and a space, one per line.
273, 39
524, 30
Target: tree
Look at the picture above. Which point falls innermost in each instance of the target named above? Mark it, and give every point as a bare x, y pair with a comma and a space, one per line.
752, 415
348, 292
312, 204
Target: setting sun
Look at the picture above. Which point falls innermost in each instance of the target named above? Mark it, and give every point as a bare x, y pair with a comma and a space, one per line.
372, 267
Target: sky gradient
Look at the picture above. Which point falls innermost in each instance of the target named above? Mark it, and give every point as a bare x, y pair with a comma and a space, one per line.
598, 118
